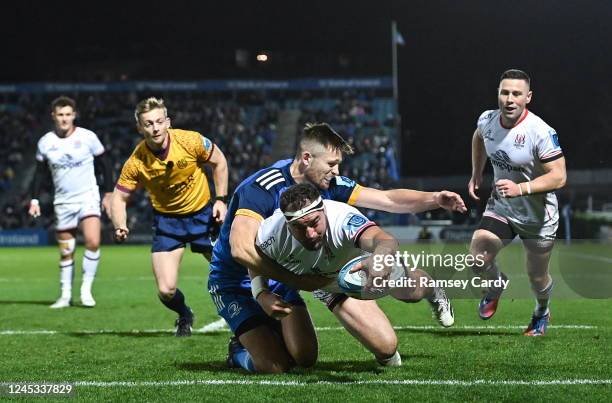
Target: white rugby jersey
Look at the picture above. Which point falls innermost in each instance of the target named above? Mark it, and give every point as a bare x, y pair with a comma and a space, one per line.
70, 160
518, 154
345, 224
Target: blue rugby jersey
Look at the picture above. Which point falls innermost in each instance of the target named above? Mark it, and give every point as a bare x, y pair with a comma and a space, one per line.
258, 196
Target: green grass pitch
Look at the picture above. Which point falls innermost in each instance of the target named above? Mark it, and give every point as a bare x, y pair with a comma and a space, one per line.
123, 349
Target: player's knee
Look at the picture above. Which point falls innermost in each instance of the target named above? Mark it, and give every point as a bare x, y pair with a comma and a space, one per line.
269, 366
66, 247
165, 292
385, 346
306, 357
307, 361
414, 293
92, 244
407, 294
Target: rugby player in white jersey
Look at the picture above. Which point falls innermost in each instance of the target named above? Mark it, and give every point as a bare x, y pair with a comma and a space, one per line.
308, 235
73, 155
528, 167
256, 344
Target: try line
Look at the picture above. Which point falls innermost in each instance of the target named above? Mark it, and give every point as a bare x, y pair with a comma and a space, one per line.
399, 382
205, 330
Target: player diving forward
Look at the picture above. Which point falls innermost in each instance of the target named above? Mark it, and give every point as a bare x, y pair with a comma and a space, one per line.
309, 235
528, 166
261, 346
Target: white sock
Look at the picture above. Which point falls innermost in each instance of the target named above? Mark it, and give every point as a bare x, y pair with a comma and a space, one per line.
543, 299
90, 266
66, 272
394, 361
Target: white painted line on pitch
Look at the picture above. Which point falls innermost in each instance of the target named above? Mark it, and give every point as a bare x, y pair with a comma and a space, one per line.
10, 332
468, 327
215, 326
424, 382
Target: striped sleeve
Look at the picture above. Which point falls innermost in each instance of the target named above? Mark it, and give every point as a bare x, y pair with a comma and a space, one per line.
548, 146
259, 198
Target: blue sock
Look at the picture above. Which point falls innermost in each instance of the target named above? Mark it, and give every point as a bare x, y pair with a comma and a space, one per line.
243, 358
177, 304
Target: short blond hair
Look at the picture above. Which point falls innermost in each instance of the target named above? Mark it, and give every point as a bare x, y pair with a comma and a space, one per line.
147, 105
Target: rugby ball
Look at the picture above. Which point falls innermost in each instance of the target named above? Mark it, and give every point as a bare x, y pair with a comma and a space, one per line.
352, 283
355, 284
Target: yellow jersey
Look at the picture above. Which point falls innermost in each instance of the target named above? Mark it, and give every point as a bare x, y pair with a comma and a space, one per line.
174, 179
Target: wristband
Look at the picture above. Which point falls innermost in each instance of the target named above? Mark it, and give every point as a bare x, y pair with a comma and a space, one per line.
34, 202
259, 284
528, 188
221, 198
520, 189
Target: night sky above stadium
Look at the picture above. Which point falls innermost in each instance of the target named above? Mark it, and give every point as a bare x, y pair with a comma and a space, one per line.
449, 67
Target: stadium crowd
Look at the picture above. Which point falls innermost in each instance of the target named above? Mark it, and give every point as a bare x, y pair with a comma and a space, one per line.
243, 124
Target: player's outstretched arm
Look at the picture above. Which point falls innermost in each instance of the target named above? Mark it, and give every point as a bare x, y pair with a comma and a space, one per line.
408, 200
218, 162
242, 242
479, 159
381, 244
118, 215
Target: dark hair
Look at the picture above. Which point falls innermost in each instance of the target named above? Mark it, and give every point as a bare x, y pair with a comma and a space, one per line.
516, 74
322, 133
62, 101
297, 197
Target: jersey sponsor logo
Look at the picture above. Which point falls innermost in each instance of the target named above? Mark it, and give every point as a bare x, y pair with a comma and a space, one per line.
519, 141
182, 163
344, 181
501, 155
181, 186
66, 162
268, 242
354, 221
501, 160
555, 138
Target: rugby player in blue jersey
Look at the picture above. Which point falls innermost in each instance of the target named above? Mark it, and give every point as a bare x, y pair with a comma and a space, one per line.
261, 342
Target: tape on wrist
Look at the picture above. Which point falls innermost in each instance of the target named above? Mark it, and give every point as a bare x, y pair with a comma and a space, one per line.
520, 189
528, 188
259, 284
34, 202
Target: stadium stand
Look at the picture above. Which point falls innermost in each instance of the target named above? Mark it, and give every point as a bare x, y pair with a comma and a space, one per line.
244, 124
